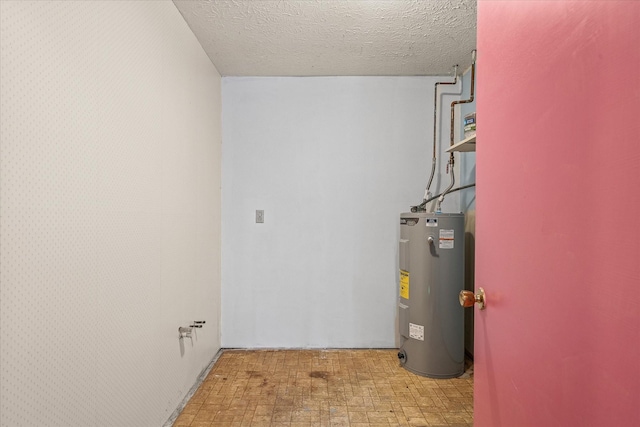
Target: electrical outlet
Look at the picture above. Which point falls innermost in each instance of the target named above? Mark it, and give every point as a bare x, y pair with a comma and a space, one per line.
259, 216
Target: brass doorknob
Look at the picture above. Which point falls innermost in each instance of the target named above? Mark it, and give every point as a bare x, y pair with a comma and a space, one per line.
467, 299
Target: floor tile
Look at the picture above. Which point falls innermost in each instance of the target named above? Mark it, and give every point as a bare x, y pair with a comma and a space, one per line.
324, 388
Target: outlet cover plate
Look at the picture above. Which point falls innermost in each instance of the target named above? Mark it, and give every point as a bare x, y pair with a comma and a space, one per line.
259, 216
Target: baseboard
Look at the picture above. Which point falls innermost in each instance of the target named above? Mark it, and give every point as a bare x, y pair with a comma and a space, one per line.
192, 390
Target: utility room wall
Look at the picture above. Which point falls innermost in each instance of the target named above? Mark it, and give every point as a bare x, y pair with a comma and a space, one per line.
332, 161
109, 212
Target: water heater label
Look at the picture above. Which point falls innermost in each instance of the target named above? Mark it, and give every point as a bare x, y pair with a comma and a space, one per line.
404, 284
446, 239
432, 222
416, 332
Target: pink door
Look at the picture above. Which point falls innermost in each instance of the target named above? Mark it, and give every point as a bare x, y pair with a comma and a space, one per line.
558, 214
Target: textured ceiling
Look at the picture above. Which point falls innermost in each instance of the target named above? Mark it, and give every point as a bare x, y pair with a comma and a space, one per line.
334, 37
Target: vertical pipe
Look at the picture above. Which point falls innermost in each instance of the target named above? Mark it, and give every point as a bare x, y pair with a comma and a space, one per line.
435, 126
453, 105
466, 101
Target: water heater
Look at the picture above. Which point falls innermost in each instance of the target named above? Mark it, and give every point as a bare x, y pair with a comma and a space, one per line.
431, 320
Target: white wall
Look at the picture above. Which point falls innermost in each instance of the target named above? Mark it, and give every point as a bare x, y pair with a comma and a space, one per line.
110, 212
333, 162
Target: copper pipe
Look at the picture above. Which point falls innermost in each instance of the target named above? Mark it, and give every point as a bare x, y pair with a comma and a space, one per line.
453, 105
466, 101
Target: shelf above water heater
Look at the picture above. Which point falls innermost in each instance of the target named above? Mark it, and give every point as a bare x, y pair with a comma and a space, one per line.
466, 145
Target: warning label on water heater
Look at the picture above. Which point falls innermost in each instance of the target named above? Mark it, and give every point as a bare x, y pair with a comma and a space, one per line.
416, 331
446, 239
404, 284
